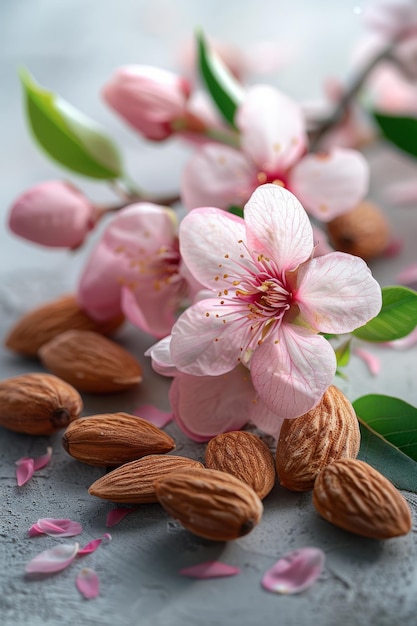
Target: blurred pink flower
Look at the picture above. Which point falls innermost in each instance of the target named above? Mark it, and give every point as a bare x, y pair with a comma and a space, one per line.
53, 214
152, 100
270, 300
273, 144
136, 269
392, 18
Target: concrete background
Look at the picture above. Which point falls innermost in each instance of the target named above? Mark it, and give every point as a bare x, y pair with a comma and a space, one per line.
72, 47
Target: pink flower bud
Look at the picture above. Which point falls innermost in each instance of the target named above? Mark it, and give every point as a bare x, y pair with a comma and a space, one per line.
54, 214
149, 98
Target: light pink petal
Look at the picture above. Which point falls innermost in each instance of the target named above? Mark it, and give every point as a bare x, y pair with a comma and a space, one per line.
278, 226
394, 248
117, 515
263, 418
272, 128
35, 531
152, 414
292, 374
212, 246
217, 176
336, 293
404, 192
160, 354
295, 572
321, 243
372, 362
53, 560
408, 275
59, 527
202, 344
330, 184
88, 583
209, 569
92, 546
205, 406
150, 309
25, 469
42, 461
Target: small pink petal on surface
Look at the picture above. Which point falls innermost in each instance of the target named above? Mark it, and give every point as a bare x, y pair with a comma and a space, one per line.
404, 192
42, 461
53, 560
24, 470
394, 248
209, 569
371, 361
58, 527
403, 343
154, 415
294, 572
87, 583
408, 275
117, 515
92, 546
35, 531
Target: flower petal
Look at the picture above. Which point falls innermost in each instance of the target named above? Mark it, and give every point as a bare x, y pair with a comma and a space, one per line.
154, 415
160, 354
88, 583
278, 226
292, 374
272, 129
372, 362
336, 293
205, 406
118, 514
150, 309
330, 184
42, 461
263, 418
295, 572
217, 176
92, 546
58, 527
25, 468
53, 560
209, 569
408, 275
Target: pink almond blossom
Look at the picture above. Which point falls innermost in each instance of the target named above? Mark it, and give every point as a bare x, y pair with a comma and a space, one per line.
270, 300
136, 269
54, 214
273, 145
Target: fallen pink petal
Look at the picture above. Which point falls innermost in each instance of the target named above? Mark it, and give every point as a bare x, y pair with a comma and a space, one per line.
92, 546
88, 583
209, 569
56, 527
24, 470
53, 560
406, 342
294, 572
42, 461
371, 361
154, 415
408, 275
117, 515
35, 531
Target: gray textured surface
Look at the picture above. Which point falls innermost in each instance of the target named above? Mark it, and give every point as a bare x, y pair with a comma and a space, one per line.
73, 47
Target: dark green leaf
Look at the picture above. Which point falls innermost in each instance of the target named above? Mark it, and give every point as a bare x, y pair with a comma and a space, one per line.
342, 353
401, 131
388, 460
224, 89
392, 418
67, 135
236, 210
397, 318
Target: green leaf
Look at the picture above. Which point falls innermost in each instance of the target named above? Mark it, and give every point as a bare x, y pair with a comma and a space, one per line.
396, 319
392, 418
388, 460
67, 135
342, 353
224, 89
401, 131
236, 210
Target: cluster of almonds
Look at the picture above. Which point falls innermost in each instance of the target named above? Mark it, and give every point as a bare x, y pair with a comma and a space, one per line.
221, 500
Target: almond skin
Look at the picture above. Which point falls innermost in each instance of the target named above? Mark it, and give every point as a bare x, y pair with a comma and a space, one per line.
133, 483
42, 324
354, 496
38, 404
209, 503
114, 438
245, 456
91, 362
308, 443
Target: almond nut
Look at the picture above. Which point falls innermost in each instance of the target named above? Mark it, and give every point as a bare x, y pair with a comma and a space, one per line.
308, 443
42, 324
354, 496
245, 456
209, 503
91, 362
133, 483
38, 404
114, 438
